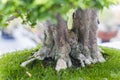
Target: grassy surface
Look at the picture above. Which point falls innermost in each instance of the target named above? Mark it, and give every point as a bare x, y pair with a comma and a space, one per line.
10, 68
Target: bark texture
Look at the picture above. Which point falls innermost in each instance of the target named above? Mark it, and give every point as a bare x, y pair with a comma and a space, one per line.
79, 44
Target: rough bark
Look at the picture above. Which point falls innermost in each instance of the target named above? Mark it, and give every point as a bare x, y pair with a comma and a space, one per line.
85, 27
79, 44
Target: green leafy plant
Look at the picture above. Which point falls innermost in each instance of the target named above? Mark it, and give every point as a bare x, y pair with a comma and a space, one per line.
33, 10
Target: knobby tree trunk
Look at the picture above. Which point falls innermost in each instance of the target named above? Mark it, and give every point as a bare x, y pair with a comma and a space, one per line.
64, 45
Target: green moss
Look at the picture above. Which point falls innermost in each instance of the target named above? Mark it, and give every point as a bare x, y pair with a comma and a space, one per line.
10, 68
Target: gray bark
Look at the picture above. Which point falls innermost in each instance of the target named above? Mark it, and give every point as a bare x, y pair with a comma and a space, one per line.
80, 43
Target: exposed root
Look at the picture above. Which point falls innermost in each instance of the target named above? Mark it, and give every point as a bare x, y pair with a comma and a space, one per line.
27, 62
61, 64
100, 57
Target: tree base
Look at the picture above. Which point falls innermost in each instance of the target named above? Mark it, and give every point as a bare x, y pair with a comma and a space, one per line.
63, 63
79, 43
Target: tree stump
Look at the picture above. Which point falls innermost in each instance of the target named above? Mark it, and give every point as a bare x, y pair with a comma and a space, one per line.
79, 43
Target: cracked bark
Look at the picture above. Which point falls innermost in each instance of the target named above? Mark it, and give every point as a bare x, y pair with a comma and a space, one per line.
79, 43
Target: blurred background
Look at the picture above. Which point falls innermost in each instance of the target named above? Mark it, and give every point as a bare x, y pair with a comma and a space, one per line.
17, 36
109, 27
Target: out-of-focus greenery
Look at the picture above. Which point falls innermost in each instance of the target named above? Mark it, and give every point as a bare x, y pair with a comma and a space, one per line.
33, 10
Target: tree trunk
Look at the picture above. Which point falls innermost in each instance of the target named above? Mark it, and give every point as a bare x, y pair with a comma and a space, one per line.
70, 46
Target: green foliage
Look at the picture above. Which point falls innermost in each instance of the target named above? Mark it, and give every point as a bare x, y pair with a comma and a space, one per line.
33, 10
10, 68
70, 20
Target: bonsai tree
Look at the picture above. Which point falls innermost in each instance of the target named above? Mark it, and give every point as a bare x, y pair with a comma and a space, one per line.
66, 46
